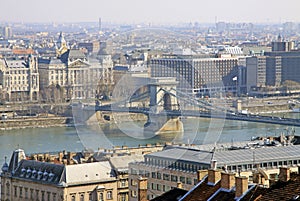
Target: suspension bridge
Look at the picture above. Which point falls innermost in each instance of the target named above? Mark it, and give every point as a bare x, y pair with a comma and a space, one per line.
167, 104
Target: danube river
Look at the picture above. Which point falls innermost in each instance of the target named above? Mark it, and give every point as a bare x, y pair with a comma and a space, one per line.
196, 131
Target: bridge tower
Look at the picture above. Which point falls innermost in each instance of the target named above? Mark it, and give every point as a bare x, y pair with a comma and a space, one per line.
163, 98
163, 94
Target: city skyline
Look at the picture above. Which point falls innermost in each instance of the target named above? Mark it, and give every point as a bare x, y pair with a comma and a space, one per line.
154, 12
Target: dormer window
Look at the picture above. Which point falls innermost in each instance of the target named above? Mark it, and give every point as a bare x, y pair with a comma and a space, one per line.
28, 173
34, 174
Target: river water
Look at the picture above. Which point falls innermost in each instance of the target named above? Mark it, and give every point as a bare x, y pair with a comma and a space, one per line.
196, 131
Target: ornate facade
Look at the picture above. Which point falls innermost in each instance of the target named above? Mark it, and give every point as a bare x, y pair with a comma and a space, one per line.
24, 179
19, 79
72, 71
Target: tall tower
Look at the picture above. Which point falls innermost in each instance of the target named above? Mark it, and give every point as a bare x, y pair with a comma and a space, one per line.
61, 42
100, 25
7, 32
61, 45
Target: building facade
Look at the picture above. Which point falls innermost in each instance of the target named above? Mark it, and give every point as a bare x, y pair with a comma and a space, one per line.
199, 75
19, 79
79, 77
164, 170
25, 179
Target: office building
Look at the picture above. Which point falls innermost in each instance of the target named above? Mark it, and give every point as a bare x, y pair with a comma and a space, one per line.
199, 75
289, 64
163, 170
7, 32
282, 46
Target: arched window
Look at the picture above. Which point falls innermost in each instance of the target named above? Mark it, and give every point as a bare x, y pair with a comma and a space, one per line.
109, 195
81, 197
101, 197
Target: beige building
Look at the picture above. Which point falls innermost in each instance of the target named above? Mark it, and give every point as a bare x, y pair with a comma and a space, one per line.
19, 79
73, 72
69, 176
26, 179
77, 76
175, 165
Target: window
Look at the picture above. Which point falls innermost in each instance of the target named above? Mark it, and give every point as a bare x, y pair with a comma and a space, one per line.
159, 187
158, 175
174, 178
48, 196
31, 193
54, 196
21, 192
72, 197
109, 195
43, 195
166, 177
188, 180
81, 197
15, 191
133, 182
147, 173
153, 174
7, 189
133, 194
101, 197
123, 197
182, 180
123, 183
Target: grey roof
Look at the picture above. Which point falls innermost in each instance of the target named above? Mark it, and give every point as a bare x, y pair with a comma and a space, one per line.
62, 175
72, 55
34, 171
88, 173
16, 64
231, 157
76, 54
184, 154
258, 155
120, 163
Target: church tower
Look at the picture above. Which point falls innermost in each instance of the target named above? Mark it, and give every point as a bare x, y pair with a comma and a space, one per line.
61, 45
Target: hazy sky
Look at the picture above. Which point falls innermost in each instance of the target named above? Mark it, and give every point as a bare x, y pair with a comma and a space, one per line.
151, 11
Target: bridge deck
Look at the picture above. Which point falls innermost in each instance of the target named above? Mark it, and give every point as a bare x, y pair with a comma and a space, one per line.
194, 113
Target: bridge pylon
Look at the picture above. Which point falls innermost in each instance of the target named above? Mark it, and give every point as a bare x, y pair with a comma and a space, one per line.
161, 101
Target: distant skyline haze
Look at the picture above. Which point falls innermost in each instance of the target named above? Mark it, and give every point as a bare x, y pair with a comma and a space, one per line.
154, 11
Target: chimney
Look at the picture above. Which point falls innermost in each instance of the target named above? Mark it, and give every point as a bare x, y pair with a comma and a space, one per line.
257, 178
213, 164
60, 156
201, 174
227, 180
142, 189
284, 174
213, 176
241, 186
179, 185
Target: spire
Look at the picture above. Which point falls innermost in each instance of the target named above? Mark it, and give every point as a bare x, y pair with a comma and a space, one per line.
61, 40
5, 166
279, 39
17, 156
